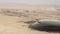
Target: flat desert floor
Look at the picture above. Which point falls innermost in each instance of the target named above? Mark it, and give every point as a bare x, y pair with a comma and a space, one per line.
12, 20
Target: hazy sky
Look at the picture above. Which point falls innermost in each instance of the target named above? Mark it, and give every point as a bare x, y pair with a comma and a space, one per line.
29, 2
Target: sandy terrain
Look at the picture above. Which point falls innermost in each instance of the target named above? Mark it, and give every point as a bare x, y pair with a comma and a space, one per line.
12, 20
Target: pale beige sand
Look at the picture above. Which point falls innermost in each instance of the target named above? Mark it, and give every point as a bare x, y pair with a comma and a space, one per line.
9, 25
14, 24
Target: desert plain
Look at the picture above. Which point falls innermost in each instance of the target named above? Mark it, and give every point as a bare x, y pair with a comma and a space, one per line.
12, 18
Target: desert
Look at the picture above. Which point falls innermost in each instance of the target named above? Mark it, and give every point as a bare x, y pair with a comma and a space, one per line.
12, 18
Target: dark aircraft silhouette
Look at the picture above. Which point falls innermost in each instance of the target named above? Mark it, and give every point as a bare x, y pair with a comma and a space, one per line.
46, 24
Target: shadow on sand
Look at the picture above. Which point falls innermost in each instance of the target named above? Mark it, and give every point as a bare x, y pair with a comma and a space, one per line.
47, 30
50, 30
